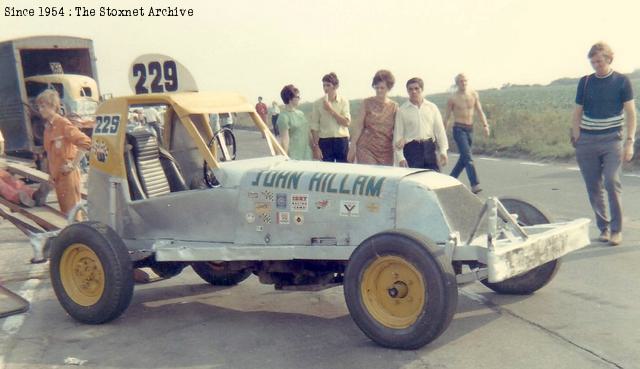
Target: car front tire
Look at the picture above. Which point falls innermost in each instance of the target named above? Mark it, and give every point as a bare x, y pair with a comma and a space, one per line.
400, 290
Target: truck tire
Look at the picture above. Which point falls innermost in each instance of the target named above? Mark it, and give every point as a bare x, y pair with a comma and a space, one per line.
167, 269
400, 289
535, 279
219, 275
91, 272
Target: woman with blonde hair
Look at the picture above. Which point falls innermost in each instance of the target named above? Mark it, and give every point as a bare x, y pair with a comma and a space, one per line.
372, 132
65, 146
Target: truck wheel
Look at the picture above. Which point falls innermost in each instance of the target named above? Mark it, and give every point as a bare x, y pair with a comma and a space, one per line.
167, 269
401, 290
91, 272
538, 277
218, 274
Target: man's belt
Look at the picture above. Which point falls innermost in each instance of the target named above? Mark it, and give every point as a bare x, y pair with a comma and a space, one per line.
423, 140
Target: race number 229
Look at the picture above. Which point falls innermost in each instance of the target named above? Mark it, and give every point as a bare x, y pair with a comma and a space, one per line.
164, 77
106, 125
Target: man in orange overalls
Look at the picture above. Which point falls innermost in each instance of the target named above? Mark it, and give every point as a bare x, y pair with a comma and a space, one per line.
65, 145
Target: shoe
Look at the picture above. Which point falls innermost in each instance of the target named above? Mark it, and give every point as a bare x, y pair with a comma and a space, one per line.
615, 239
604, 236
25, 199
40, 196
140, 276
476, 189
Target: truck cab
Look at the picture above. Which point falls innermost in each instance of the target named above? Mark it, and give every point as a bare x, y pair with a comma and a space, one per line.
79, 94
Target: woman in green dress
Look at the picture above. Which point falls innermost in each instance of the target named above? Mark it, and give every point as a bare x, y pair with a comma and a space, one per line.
295, 135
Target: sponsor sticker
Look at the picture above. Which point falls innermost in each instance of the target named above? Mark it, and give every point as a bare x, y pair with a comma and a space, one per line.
263, 207
284, 217
300, 202
267, 195
100, 150
349, 208
322, 204
281, 201
252, 195
266, 218
298, 219
373, 207
250, 217
259, 228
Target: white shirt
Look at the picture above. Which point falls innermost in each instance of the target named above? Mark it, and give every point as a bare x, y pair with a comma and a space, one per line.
324, 123
275, 110
226, 120
151, 115
419, 123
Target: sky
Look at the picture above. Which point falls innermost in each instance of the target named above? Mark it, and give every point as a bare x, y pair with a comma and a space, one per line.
256, 47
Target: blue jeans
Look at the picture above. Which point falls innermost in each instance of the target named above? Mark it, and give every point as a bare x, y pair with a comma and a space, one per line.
464, 139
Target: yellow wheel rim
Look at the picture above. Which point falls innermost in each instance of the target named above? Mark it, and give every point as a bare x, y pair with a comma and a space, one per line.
82, 274
393, 292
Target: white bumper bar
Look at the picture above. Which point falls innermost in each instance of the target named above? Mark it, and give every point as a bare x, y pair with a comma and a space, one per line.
513, 256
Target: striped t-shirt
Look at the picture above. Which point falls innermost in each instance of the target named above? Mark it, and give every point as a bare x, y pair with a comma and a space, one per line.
602, 99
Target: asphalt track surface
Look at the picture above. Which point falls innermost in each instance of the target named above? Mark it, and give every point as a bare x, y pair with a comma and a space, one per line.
587, 317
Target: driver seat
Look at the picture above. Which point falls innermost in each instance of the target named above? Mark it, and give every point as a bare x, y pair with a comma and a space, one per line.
151, 170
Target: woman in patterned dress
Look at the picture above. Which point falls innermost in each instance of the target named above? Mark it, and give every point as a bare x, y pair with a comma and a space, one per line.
372, 133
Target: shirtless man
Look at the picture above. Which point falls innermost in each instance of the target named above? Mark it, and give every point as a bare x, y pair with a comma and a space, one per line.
462, 104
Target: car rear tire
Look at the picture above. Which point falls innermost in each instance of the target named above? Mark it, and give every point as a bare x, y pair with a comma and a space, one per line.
400, 289
218, 274
91, 272
535, 279
167, 269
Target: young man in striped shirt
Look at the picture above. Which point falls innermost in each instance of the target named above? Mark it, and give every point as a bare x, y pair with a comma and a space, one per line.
604, 101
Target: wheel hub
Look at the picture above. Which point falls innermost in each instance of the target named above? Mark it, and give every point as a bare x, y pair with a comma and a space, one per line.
82, 274
398, 290
393, 291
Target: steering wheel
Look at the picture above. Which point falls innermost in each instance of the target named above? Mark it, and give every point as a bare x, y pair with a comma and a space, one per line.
225, 141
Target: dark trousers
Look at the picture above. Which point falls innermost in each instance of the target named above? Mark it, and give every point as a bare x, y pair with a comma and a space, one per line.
421, 154
334, 149
274, 121
464, 139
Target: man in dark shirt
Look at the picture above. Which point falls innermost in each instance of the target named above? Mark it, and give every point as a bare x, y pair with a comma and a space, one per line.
604, 101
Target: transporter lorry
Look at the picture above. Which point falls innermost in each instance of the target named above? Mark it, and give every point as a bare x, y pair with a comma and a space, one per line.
32, 64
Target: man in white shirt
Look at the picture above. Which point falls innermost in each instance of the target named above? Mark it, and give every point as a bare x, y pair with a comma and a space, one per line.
152, 117
274, 111
419, 136
330, 120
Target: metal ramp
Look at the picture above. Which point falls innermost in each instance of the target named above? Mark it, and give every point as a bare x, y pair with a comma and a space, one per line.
35, 221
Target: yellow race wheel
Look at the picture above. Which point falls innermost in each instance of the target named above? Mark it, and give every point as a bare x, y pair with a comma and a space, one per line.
82, 274
393, 291
91, 272
400, 289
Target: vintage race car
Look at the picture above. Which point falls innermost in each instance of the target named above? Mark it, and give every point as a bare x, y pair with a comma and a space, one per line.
399, 240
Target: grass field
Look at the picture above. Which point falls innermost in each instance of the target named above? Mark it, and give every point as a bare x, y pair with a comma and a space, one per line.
526, 121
